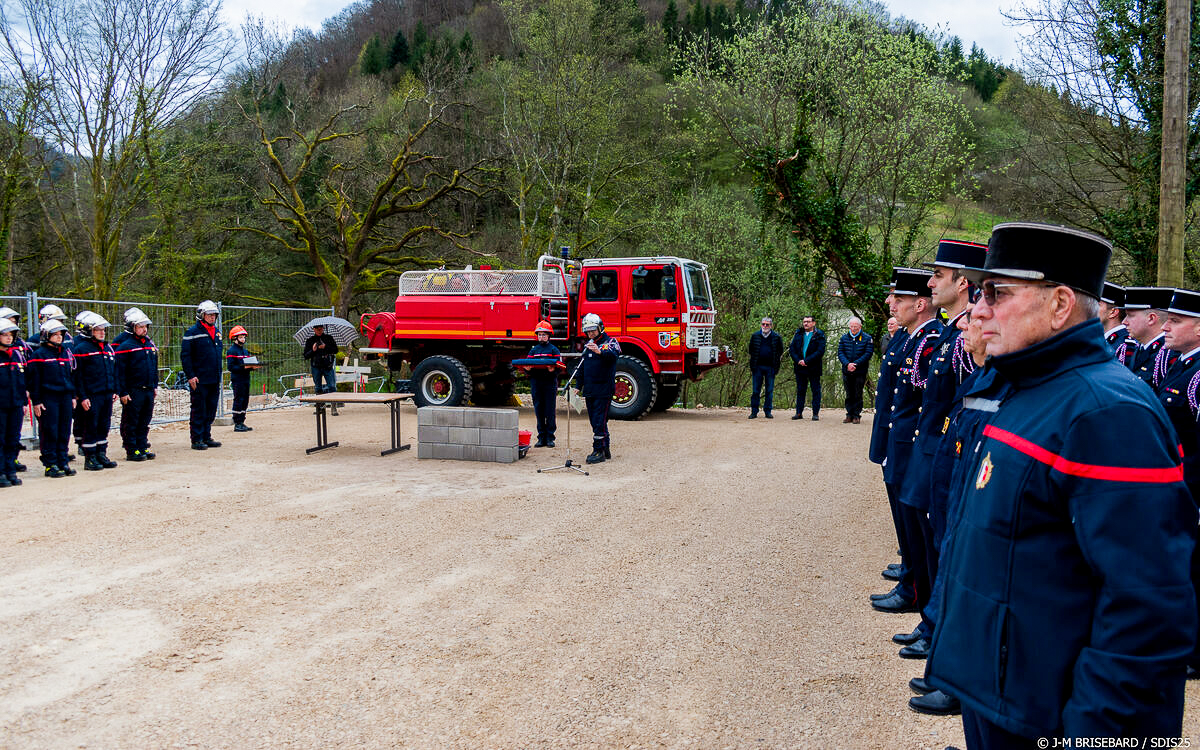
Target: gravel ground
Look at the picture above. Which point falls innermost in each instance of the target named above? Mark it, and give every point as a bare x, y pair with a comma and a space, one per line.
706, 589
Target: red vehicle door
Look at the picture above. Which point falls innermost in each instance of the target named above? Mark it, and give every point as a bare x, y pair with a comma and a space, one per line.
599, 293
652, 313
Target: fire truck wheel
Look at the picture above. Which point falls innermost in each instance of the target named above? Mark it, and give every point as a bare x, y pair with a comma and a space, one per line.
496, 389
635, 389
668, 394
441, 381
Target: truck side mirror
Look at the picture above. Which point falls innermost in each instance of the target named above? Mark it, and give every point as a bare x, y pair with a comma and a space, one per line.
669, 290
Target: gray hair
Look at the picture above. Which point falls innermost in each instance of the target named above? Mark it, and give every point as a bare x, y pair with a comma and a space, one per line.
768, 320
855, 319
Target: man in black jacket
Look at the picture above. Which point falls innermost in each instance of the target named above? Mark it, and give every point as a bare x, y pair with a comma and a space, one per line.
766, 349
320, 350
200, 354
854, 352
808, 350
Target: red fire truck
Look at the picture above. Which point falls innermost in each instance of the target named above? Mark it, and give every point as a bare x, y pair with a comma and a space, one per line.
459, 330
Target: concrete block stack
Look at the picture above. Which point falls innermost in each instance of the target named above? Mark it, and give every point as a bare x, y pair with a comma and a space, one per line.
467, 433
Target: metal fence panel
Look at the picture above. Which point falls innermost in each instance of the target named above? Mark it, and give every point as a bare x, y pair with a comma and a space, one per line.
269, 329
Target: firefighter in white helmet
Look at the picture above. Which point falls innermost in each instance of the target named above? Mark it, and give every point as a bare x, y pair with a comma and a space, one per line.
48, 312
596, 376
96, 389
52, 393
137, 381
201, 354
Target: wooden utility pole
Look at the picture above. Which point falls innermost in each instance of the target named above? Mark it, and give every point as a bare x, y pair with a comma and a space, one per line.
1174, 144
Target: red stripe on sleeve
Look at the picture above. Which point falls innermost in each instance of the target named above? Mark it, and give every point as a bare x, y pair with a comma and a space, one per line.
1088, 471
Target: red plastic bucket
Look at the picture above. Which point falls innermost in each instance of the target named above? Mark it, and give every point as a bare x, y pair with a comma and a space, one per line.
523, 438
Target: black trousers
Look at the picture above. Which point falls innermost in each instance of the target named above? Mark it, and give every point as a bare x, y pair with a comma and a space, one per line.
135, 420
54, 429
906, 582
808, 376
545, 393
10, 432
96, 421
241, 399
597, 409
853, 382
204, 410
982, 734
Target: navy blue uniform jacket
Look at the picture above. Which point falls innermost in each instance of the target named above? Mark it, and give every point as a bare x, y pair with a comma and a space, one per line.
1068, 602
137, 364
947, 370
49, 373
95, 368
884, 386
816, 349
597, 372
552, 355
1178, 397
906, 398
235, 360
12, 379
1143, 361
200, 354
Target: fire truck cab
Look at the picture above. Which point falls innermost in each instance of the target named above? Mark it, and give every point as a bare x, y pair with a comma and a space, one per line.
459, 330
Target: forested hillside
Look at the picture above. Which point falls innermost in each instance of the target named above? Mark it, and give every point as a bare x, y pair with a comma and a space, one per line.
800, 148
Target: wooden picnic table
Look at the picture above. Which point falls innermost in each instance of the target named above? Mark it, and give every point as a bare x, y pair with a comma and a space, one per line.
321, 401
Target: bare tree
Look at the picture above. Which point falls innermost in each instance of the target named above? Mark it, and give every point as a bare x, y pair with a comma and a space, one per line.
111, 74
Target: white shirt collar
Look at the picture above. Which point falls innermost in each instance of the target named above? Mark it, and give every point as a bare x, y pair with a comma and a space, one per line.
1192, 353
1110, 331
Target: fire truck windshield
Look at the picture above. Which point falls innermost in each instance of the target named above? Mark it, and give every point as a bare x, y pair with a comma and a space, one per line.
695, 278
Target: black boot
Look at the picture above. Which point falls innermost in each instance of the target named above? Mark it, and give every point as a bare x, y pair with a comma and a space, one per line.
597, 454
4, 481
91, 464
13, 479
18, 466
134, 455
607, 454
104, 461
67, 470
54, 472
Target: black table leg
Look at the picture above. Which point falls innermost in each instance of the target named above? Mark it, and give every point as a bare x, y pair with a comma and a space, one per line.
322, 431
394, 406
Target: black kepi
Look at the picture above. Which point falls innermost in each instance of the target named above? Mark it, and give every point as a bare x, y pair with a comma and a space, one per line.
1113, 294
1148, 297
959, 254
1185, 302
1046, 252
912, 281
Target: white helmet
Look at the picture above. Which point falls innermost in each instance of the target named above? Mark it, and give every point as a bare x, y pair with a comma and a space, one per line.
87, 321
206, 307
52, 312
7, 326
592, 322
82, 319
135, 317
11, 314
53, 325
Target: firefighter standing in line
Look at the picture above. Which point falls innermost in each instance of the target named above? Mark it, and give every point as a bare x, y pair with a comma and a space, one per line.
239, 376
200, 355
12, 401
79, 418
596, 375
52, 392
543, 385
48, 312
95, 390
23, 347
137, 381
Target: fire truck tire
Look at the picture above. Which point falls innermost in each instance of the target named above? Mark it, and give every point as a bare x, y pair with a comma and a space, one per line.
496, 389
668, 394
441, 381
636, 389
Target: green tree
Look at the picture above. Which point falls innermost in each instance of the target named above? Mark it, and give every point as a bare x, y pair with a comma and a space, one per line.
398, 52
371, 59
853, 140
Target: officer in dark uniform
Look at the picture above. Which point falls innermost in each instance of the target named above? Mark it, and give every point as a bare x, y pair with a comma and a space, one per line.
877, 452
1145, 308
913, 308
12, 401
239, 376
597, 375
949, 368
200, 355
543, 385
48, 312
1112, 317
52, 393
23, 349
1068, 608
95, 390
137, 383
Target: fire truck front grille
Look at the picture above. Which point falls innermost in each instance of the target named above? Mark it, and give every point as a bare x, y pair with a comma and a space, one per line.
698, 336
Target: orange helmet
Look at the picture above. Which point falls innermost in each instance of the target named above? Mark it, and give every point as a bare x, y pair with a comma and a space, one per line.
543, 326
238, 331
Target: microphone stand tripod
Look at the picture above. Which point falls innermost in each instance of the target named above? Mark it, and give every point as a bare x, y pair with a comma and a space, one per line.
569, 465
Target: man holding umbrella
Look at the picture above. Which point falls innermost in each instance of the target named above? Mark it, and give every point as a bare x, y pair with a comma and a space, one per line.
320, 350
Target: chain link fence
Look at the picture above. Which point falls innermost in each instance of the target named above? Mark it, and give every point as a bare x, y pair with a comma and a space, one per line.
269, 330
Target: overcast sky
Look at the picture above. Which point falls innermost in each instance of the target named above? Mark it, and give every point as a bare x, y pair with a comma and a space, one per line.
972, 20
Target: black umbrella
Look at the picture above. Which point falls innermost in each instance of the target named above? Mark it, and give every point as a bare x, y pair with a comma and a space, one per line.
342, 330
